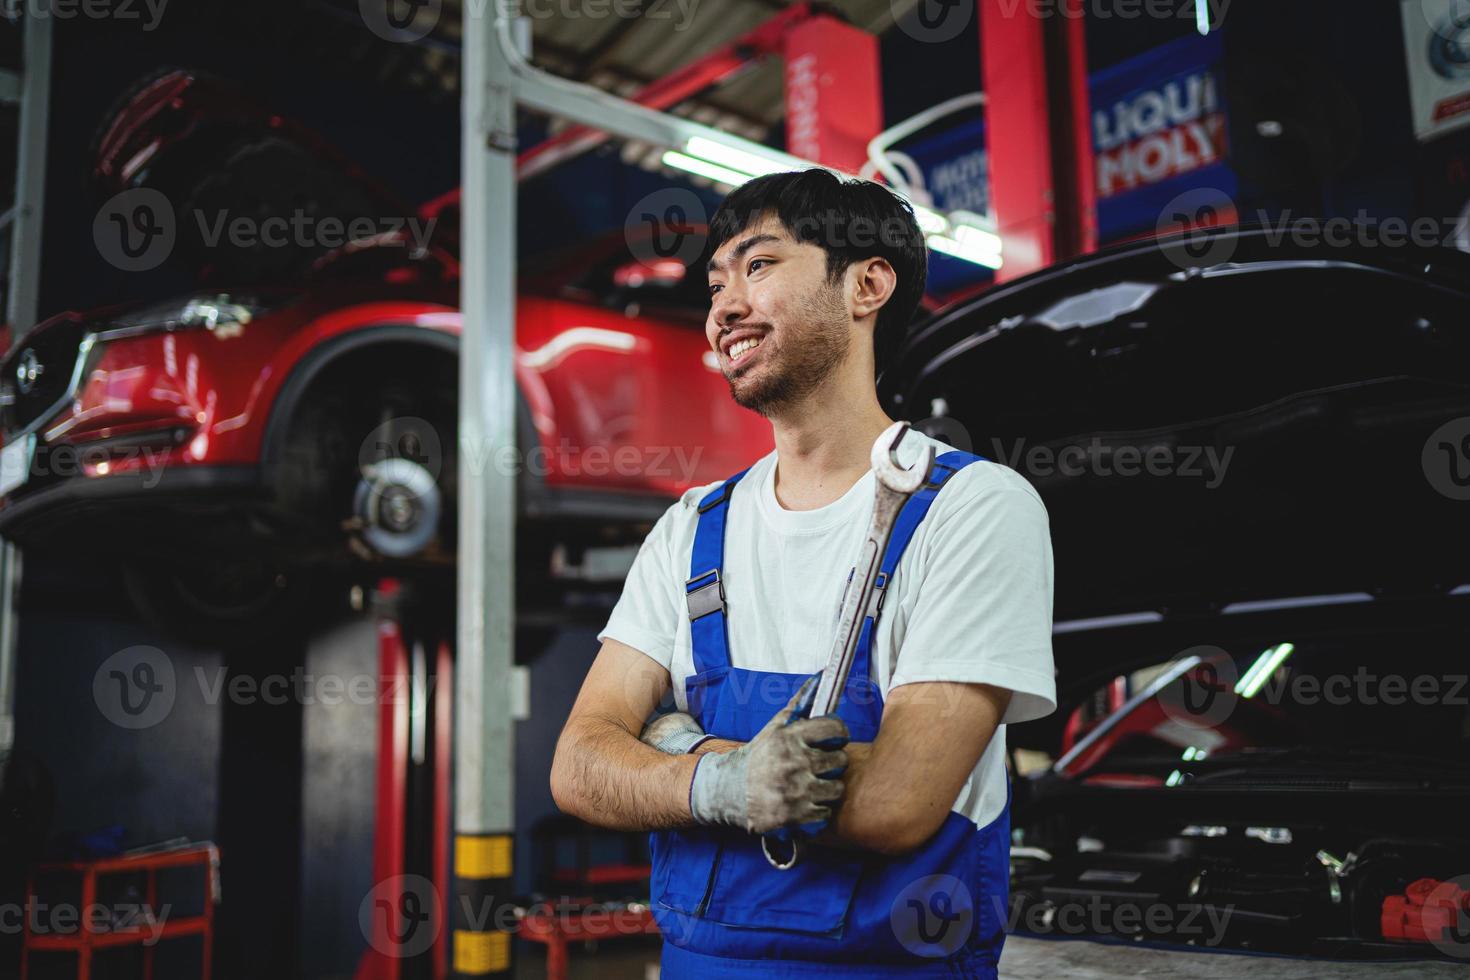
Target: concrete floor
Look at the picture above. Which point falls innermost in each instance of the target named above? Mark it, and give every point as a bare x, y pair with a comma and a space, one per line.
1036, 959
1041, 959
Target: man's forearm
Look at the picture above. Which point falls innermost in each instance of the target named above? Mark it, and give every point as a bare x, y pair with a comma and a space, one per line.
605, 776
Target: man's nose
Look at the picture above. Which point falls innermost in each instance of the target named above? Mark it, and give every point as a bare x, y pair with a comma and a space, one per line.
730, 306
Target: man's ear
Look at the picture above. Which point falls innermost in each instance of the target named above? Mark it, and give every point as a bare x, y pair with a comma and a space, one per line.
873, 284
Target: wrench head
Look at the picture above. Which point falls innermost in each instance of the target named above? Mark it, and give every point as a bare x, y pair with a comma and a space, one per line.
890, 472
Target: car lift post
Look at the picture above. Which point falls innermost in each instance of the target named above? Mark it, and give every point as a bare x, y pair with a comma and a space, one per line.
484, 750
497, 78
32, 89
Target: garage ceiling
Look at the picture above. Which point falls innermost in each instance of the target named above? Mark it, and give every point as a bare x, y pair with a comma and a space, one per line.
623, 53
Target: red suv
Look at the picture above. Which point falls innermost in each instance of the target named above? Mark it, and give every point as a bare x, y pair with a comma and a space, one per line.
226, 439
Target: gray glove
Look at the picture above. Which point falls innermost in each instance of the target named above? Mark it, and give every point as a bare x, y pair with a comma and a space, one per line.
774, 779
674, 733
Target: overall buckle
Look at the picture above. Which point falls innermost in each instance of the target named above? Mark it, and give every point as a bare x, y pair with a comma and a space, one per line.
706, 598
875, 601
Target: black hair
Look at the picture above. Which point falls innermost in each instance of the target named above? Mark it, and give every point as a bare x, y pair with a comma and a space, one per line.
848, 218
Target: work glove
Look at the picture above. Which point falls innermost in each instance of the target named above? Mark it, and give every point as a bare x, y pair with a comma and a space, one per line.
675, 733
775, 779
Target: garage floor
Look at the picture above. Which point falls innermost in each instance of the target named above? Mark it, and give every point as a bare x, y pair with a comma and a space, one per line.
1038, 959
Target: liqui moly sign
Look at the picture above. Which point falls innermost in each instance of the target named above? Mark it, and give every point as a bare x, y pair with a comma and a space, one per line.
1158, 128
1158, 133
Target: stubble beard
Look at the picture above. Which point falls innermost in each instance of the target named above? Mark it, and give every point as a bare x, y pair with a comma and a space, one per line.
809, 350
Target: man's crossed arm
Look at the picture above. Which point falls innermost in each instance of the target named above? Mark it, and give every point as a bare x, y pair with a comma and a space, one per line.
896, 791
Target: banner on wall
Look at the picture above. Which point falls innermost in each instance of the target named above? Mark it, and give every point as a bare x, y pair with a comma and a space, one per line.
1159, 129
954, 167
1437, 53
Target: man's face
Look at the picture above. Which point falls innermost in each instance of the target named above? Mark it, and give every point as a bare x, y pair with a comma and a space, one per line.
777, 325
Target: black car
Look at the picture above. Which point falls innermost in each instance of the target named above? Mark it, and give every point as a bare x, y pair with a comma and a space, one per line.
1255, 453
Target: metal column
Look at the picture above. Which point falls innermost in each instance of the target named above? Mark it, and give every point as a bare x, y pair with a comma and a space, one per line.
1037, 129
497, 78
23, 297
484, 805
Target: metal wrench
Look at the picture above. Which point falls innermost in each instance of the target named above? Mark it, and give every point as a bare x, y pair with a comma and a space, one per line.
894, 485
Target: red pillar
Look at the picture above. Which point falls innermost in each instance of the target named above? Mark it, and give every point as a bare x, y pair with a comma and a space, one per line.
834, 93
1038, 138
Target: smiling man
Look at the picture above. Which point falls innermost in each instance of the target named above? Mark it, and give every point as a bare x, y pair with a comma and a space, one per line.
731, 604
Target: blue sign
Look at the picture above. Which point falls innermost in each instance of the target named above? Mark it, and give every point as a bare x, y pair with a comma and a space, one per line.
956, 174
1159, 130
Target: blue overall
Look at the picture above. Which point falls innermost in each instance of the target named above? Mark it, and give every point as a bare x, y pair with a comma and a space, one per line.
725, 912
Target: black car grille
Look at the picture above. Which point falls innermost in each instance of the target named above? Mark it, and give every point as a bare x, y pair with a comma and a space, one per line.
38, 373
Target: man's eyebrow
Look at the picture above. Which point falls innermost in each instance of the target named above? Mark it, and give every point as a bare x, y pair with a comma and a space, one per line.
742, 248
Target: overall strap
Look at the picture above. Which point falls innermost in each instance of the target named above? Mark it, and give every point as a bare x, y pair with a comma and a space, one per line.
909, 518
704, 593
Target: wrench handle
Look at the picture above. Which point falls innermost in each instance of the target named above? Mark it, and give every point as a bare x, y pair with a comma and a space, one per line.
787, 840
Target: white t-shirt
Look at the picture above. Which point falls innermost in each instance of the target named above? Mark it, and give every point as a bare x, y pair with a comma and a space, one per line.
971, 600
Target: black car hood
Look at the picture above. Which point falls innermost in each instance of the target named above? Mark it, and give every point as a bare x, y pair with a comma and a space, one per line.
1233, 417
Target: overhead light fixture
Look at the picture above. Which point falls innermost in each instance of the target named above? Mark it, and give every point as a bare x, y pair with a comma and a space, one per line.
704, 168
736, 159
1263, 668
961, 234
